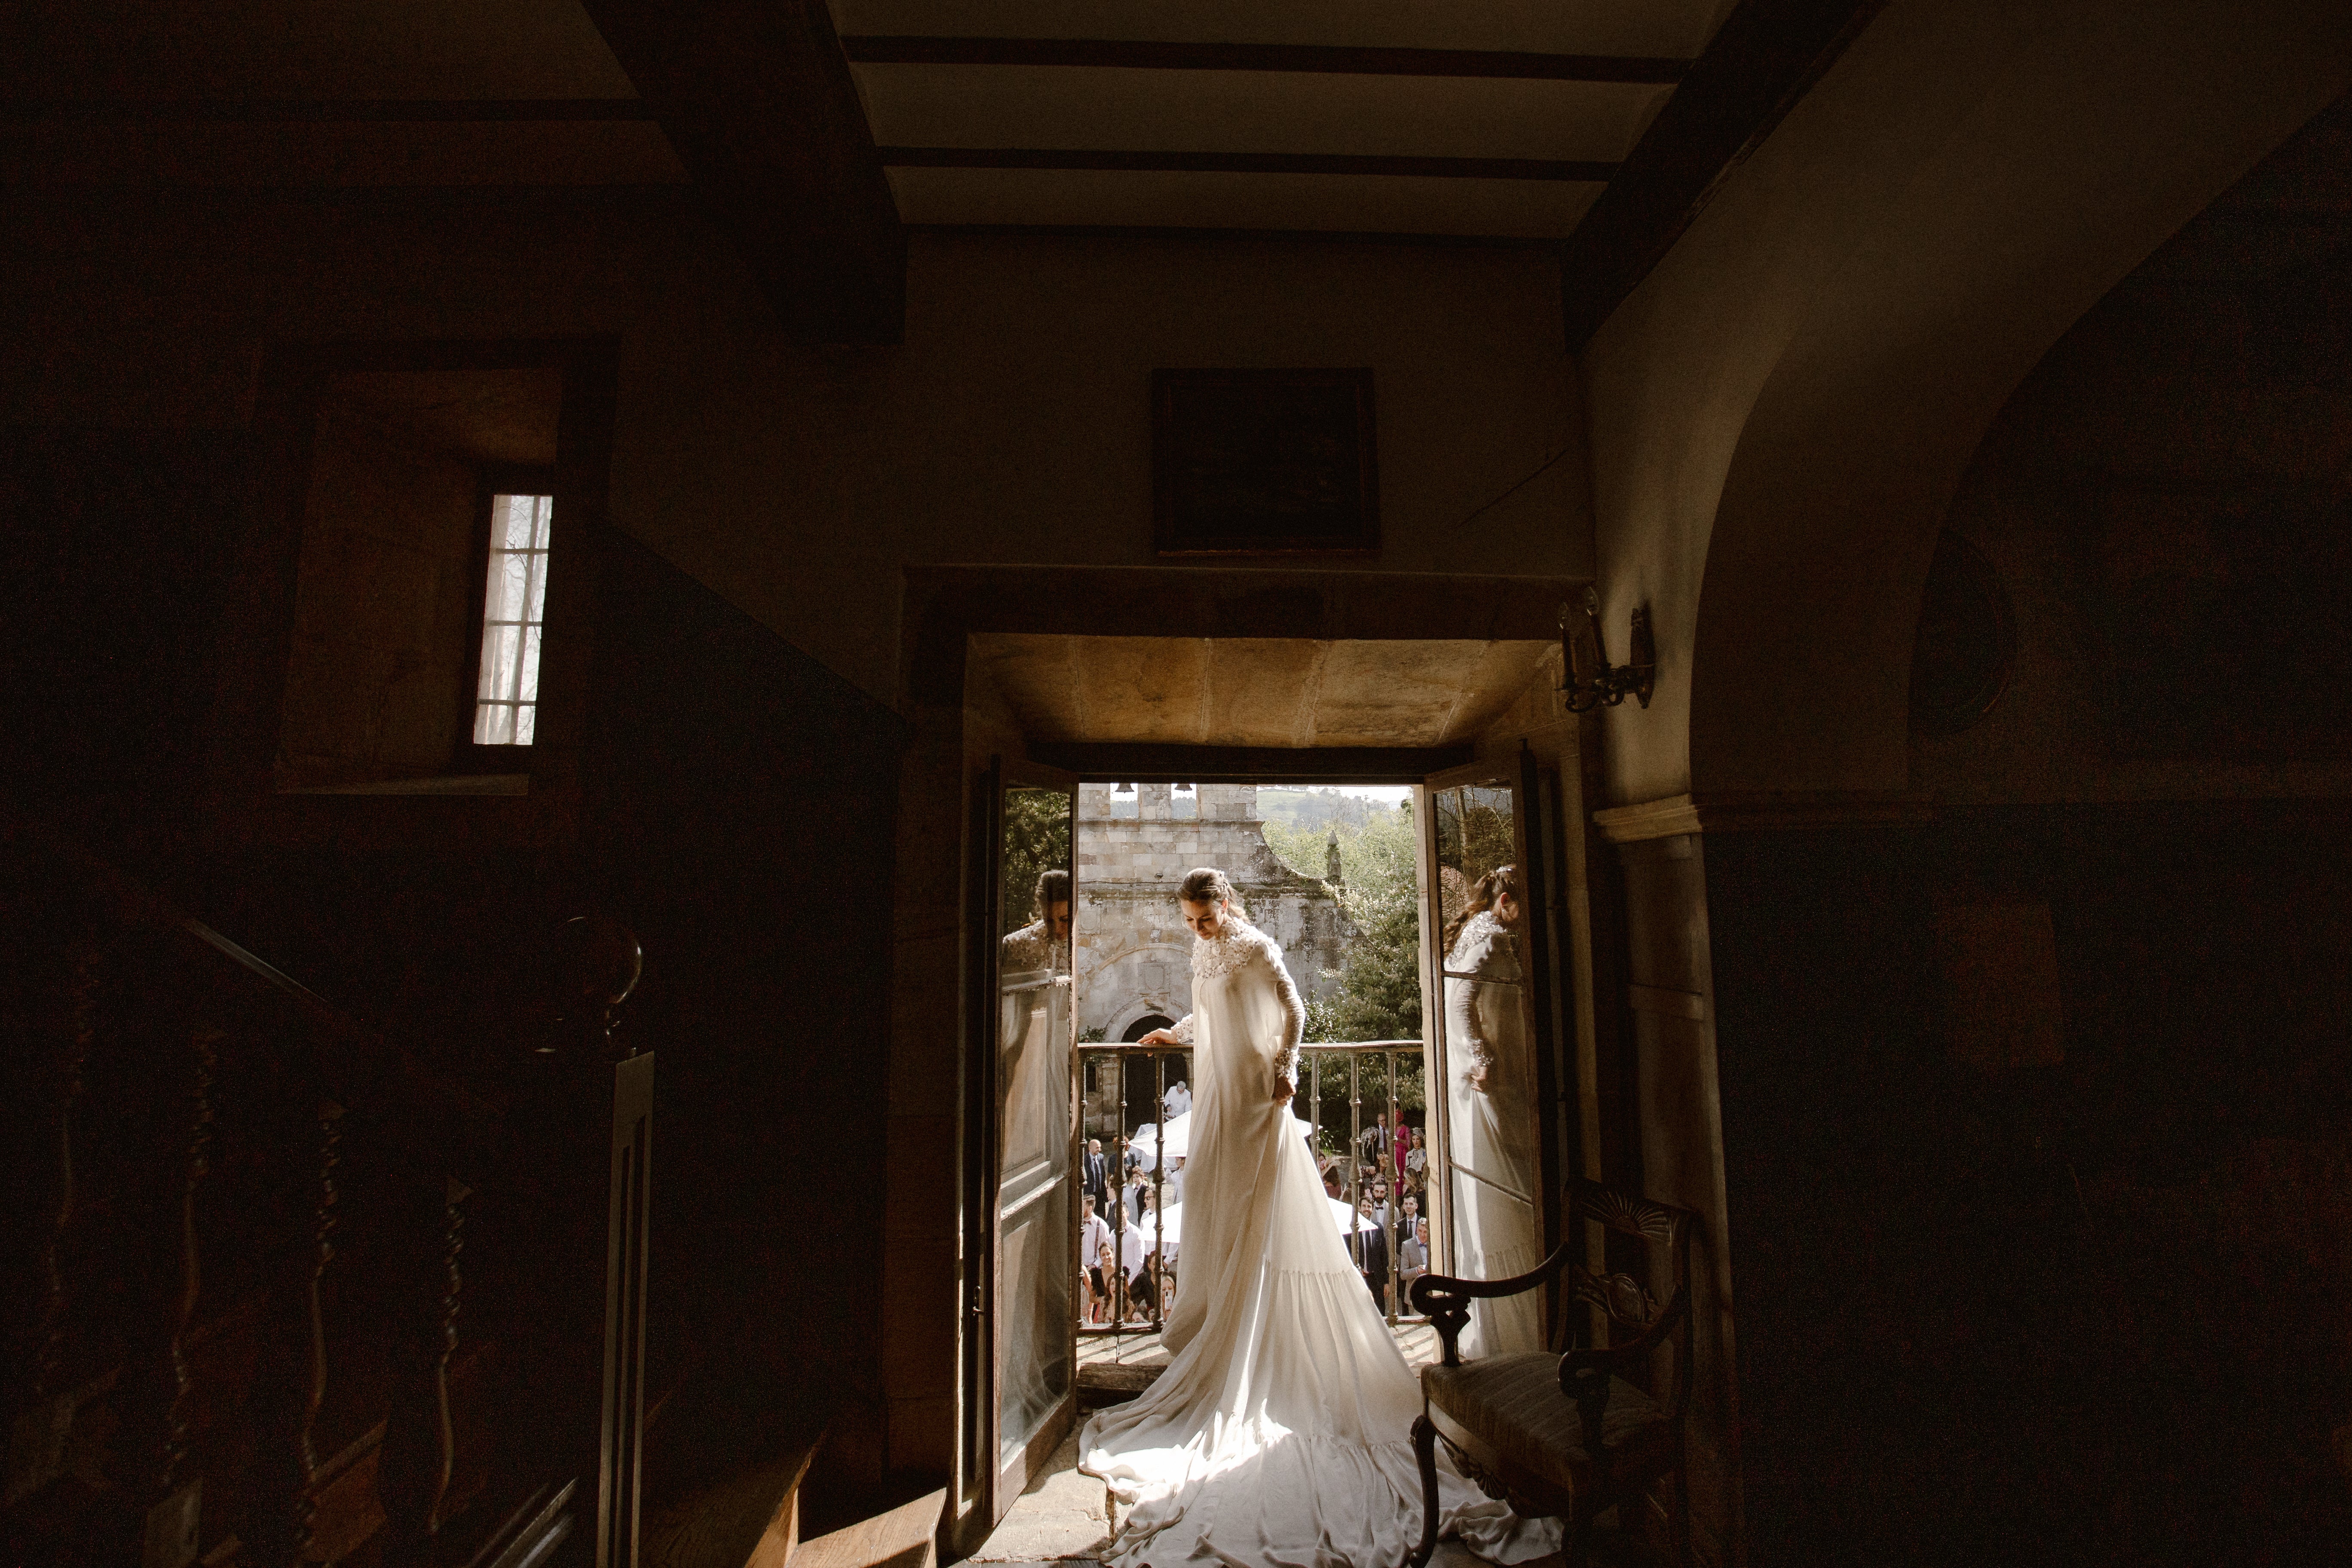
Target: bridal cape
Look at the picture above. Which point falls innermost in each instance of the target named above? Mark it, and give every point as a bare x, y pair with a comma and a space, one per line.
1280, 1433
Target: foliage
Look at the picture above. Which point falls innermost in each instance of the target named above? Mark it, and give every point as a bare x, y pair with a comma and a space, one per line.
1036, 839
1474, 836
1380, 979
1315, 810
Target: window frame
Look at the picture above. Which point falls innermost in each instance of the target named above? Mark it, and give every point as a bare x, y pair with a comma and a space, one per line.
492, 481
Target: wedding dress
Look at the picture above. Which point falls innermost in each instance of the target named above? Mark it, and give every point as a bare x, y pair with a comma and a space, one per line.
1491, 1120
1279, 1433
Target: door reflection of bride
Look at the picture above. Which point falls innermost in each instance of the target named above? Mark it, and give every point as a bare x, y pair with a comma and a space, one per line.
1490, 1106
1279, 1433
1033, 971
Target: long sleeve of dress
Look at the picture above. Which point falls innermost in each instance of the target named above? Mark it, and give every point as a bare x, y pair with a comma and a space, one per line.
1182, 1029
1466, 969
1293, 1018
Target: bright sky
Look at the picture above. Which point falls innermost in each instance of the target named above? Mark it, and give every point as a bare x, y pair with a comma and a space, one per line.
1387, 795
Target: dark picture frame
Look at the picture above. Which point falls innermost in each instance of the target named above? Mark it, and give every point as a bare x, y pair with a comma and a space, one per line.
1264, 462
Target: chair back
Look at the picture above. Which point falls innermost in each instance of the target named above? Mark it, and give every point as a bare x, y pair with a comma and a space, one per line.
1635, 1307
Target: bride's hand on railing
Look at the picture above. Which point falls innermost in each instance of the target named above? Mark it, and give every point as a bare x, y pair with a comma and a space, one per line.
1160, 1038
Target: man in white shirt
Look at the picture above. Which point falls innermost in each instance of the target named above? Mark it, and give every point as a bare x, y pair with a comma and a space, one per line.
1094, 1249
1177, 1100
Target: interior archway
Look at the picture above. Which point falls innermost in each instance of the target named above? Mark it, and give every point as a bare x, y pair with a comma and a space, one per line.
1781, 412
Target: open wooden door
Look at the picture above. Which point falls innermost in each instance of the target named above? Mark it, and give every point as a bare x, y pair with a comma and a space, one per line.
1493, 979
1020, 1387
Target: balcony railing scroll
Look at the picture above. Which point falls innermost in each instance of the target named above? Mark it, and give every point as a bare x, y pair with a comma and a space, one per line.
1373, 1080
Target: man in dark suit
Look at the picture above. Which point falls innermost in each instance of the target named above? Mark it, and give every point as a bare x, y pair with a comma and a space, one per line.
1097, 1176
1368, 1243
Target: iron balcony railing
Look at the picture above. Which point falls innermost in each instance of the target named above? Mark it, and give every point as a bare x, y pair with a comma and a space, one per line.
1336, 1077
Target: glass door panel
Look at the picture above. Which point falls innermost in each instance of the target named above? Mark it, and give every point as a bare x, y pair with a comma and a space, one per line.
1485, 1053
1035, 1379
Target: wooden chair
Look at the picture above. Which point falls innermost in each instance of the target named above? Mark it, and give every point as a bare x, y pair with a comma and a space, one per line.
1565, 1436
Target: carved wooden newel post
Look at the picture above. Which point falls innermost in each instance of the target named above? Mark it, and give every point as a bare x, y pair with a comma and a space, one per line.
620, 1429
601, 1097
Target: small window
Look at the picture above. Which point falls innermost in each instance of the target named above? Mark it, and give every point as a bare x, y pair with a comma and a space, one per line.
514, 605
1123, 801
1184, 803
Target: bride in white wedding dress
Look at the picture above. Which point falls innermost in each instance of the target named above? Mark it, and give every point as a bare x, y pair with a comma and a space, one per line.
1279, 1434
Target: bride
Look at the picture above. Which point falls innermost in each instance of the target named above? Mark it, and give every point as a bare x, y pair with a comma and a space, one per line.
1279, 1432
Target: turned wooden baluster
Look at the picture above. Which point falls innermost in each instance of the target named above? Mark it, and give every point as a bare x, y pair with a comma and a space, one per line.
291, 1376
419, 1445
161, 1503
61, 1036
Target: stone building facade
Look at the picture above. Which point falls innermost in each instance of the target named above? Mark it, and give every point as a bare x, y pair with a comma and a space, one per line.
1134, 957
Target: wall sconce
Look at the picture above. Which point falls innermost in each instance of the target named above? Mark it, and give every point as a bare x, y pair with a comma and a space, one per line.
1584, 660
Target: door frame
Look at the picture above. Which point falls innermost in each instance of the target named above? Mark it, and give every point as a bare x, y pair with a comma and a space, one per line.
987, 1486
1534, 848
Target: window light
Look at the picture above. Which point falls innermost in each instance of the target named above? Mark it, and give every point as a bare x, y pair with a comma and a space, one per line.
506, 699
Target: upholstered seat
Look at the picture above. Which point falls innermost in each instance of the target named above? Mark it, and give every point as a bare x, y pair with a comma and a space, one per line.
1564, 1434
1513, 1405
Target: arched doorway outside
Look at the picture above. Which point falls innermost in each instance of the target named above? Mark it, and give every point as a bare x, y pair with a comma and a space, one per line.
1141, 1075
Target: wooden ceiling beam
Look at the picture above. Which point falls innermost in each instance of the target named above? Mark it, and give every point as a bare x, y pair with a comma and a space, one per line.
1245, 163
757, 100
318, 111
1311, 59
1767, 54
1216, 235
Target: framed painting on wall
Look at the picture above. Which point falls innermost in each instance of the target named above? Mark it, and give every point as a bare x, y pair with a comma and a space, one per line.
1264, 462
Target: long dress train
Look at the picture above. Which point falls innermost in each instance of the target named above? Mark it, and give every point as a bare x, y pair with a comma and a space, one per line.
1280, 1432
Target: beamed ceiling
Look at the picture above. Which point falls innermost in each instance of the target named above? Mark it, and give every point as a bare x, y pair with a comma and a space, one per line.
1503, 120
819, 135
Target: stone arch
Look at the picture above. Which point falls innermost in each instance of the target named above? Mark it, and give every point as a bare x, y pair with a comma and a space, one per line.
1779, 416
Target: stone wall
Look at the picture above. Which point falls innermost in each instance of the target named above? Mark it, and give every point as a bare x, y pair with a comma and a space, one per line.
1135, 844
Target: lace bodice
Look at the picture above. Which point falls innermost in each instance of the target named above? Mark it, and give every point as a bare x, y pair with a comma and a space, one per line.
1477, 938
1226, 954
1030, 949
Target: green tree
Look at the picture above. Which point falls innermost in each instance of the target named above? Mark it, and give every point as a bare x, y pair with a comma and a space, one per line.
1036, 839
1379, 997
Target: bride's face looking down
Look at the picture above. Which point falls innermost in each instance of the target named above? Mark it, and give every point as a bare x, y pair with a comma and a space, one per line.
1207, 920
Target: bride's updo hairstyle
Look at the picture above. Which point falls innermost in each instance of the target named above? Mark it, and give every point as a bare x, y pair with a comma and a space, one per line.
1207, 885
1490, 890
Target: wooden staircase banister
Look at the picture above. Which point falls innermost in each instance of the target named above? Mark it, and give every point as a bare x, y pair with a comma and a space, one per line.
419, 1096
166, 1056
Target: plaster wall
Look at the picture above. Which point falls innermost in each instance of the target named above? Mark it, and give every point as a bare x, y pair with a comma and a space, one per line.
2165, 502
1013, 425
384, 607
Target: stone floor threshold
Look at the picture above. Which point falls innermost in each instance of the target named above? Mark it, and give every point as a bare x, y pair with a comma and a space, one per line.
1066, 1518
